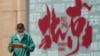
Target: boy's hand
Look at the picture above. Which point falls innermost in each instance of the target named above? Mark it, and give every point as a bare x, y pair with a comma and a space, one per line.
24, 45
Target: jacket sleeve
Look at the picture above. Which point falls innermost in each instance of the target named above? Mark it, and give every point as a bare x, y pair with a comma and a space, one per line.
9, 46
31, 46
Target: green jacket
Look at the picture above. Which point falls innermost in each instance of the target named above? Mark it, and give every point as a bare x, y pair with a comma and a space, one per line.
27, 40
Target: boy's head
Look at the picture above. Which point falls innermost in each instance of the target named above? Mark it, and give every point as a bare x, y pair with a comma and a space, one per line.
20, 28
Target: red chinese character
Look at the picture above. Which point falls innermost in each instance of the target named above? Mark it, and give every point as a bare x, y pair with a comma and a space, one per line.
49, 23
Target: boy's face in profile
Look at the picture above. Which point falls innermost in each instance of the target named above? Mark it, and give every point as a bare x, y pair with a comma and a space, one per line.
20, 28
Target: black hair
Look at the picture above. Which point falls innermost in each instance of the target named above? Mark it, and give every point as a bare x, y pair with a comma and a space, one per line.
20, 26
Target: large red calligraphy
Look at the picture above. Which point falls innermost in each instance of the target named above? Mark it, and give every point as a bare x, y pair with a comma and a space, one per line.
50, 22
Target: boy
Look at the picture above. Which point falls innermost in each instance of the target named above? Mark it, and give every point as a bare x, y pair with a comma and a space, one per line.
24, 40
